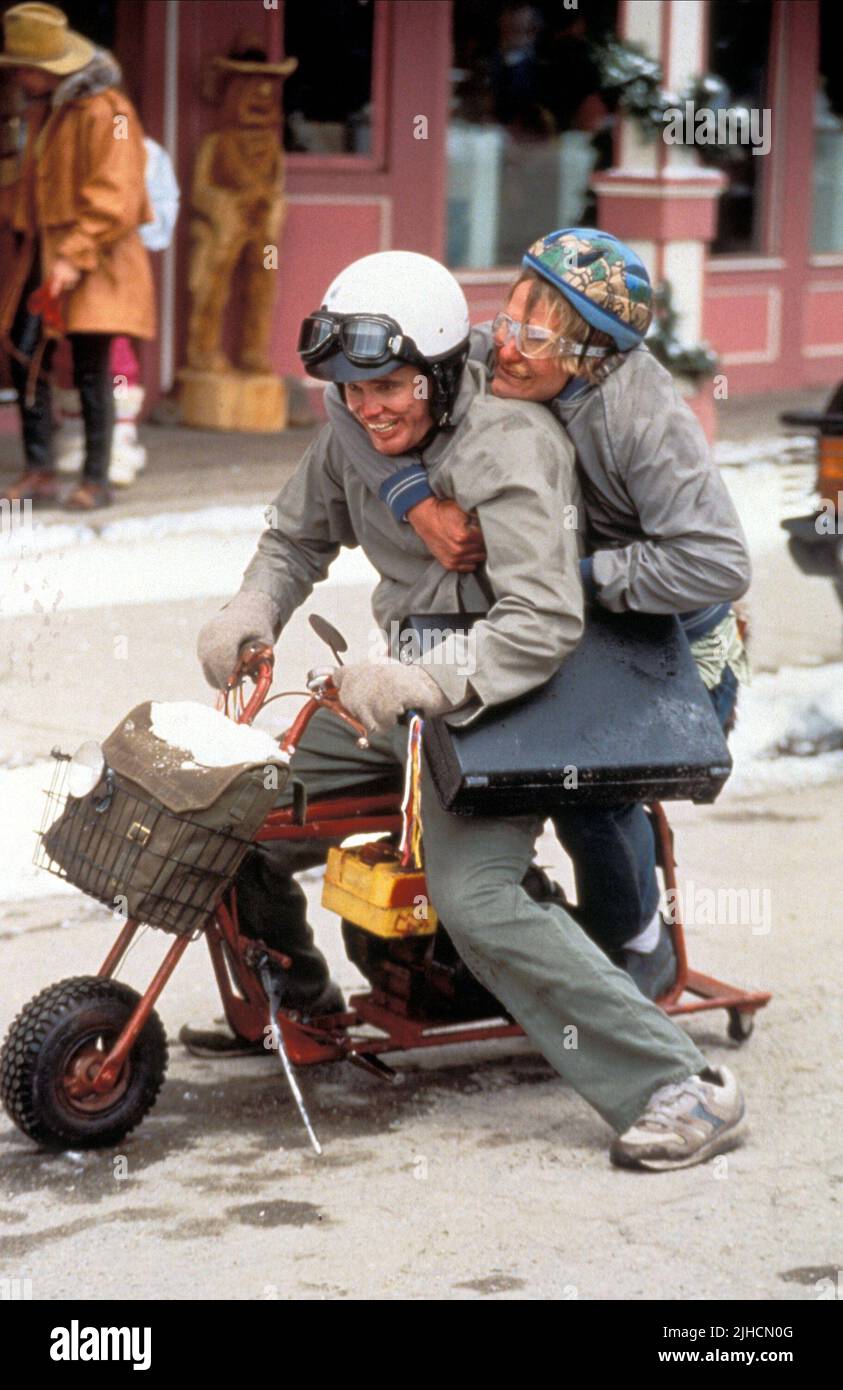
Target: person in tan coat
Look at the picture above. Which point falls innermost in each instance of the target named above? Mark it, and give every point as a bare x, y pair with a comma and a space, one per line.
71, 219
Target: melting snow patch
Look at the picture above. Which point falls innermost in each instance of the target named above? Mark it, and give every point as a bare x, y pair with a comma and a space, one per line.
782, 448
209, 519
16, 759
22, 798
764, 495
36, 540
790, 730
170, 557
41, 538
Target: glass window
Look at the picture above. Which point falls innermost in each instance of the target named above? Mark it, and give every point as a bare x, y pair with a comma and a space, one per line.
739, 45
827, 229
527, 125
96, 19
328, 99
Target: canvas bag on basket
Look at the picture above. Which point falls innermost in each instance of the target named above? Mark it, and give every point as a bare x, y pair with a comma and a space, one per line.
157, 838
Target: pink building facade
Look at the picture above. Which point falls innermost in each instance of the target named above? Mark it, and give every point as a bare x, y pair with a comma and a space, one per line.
465, 130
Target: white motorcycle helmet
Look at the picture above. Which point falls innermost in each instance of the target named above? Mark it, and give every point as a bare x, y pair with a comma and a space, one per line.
386, 310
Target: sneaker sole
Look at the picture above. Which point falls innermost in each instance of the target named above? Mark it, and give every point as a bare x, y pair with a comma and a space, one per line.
719, 1143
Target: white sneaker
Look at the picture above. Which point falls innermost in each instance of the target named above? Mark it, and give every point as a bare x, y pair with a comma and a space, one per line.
69, 437
128, 458
684, 1123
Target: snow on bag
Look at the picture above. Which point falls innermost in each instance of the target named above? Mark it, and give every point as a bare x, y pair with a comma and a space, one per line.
162, 834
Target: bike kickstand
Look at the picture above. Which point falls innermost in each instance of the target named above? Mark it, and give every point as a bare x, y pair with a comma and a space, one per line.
273, 994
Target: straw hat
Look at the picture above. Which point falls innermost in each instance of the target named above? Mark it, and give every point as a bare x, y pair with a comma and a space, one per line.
248, 54
37, 36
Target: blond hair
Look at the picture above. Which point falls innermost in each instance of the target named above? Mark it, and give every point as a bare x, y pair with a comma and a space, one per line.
567, 323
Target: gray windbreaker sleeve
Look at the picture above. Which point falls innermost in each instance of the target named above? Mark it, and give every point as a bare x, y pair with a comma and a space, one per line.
693, 551
520, 479
310, 522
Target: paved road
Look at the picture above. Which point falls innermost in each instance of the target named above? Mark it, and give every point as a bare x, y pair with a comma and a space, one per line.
480, 1175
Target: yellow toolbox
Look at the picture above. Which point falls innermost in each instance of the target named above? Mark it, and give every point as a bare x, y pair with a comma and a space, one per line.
367, 886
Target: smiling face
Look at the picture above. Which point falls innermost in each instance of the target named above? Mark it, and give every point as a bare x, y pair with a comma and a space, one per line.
528, 378
390, 411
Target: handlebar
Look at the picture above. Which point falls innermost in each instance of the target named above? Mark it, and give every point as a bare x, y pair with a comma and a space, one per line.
256, 660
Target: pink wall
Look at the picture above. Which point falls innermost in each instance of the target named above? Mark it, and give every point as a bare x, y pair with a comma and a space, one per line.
339, 208
777, 319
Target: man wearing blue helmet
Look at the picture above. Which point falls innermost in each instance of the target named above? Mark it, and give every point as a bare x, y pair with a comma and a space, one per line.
663, 535
604, 280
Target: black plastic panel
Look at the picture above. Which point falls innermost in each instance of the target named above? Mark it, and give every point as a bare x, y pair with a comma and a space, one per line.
626, 718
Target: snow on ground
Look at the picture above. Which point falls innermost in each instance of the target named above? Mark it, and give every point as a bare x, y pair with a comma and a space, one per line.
764, 494
781, 448
174, 556
22, 799
152, 559
769, 479
789, 731
40, 538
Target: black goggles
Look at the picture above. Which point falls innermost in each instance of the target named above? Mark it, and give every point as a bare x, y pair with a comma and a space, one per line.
367, 340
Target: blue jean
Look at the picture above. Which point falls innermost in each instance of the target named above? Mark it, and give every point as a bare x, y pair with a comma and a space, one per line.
614, 855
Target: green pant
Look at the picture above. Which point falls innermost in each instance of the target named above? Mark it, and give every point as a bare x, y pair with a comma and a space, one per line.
587, 1017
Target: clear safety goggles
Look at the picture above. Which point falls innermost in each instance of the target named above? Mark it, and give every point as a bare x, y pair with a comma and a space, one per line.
534, 341
367, 340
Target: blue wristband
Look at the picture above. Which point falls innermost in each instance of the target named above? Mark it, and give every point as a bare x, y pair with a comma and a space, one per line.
405, 490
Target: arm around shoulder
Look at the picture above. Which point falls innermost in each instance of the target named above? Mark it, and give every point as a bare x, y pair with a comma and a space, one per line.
522, 484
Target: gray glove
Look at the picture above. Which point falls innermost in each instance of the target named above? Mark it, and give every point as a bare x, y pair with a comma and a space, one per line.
378, 693
249, 617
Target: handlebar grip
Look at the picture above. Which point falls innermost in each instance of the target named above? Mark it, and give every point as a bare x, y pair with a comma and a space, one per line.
250, 658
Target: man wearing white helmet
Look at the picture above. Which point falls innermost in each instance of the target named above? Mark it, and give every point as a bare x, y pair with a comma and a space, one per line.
393, 332
662, 532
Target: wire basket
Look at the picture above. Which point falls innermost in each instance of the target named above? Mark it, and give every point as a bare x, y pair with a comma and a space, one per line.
120, 846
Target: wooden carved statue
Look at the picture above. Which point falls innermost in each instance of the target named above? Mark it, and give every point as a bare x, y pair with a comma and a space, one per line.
238, 209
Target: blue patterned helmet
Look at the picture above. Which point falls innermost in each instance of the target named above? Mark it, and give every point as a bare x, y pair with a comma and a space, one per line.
601, 278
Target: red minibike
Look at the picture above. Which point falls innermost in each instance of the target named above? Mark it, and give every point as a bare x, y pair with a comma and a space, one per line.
85, 1059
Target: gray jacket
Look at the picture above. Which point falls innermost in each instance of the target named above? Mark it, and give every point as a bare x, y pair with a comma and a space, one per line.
665, 534
663, 527
507, 461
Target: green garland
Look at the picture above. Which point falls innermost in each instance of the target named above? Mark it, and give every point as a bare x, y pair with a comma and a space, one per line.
682, 359
635, 81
